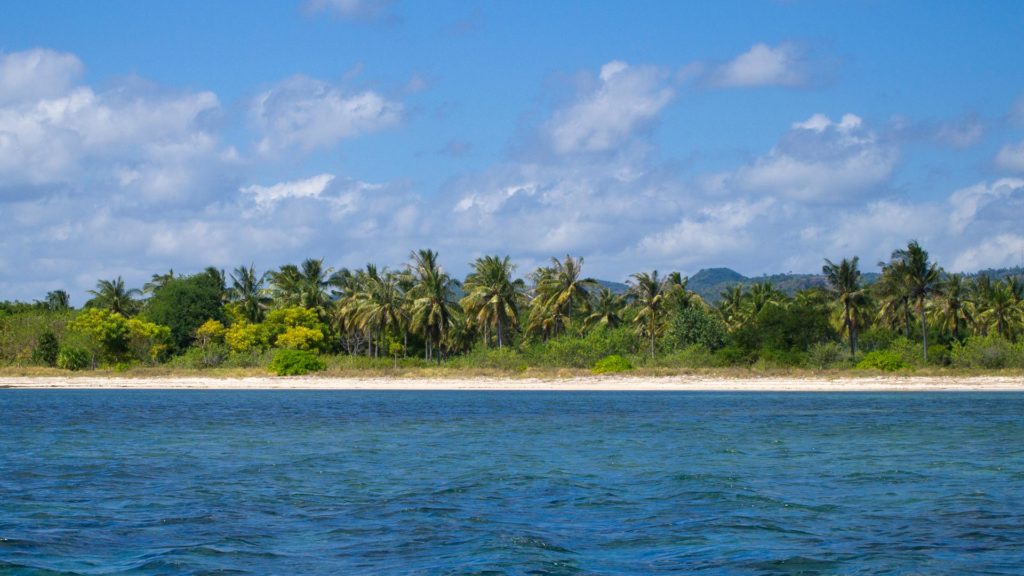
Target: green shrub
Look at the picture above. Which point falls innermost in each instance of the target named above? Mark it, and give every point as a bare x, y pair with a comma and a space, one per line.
694, 326
209, 356
506, 358
573, 352
609, 364
885, 360
992, 351
70, 358
47, 349
290, 362
825, 355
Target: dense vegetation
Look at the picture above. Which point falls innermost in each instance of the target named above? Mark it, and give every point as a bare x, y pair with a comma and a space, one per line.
310, 317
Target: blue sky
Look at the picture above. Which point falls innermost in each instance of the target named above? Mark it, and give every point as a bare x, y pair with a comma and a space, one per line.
136, 137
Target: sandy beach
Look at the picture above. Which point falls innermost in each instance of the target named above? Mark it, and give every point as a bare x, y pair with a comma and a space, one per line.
585, 383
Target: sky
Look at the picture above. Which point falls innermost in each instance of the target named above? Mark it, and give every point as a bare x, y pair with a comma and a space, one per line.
138, 137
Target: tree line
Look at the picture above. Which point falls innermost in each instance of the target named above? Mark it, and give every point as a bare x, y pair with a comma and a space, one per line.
420, 310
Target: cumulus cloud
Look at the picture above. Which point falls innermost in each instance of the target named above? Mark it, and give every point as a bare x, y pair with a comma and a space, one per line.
1011, 157
625, 99
53, 132
965, 204
36, 74
306, 114
821, 160
763, 65
267, 196
716, 231
1003, 250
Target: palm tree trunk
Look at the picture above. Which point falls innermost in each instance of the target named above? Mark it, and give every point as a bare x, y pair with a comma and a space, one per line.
924, 329
850, 332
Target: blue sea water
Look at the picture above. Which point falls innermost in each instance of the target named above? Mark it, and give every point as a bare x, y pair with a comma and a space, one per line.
270, 482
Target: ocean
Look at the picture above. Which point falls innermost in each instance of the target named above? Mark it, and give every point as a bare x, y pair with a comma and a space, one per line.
371, 482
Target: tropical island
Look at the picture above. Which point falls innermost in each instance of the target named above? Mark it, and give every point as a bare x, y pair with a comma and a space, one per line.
910, 316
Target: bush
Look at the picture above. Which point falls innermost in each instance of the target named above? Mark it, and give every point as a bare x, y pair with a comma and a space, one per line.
826, 355
992, 351
70, 358
289, 362
694, 326
209, 356
506, 358
613, 363
885, 360
47, 349
574, 352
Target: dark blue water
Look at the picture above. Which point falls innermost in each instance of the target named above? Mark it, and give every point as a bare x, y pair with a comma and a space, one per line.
162, 482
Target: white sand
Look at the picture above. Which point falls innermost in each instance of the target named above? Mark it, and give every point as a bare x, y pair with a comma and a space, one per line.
609, 383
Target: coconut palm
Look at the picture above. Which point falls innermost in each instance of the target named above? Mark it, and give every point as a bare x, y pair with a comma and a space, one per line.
376, 305
606, 310
248, 289
920, 279
844, 283
649, 293
112, 295
953, 309
57, 301
562, 292
730, 306
157, 282
307, 286
432, 299
1002, 310
493, 298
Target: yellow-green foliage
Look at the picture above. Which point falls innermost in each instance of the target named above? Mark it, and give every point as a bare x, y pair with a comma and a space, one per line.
211, 332
280, 321
118, 339
610, 364
244, 337
300, 338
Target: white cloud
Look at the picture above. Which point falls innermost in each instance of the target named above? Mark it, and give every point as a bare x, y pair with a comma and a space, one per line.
267, 196
716, 231
966, 203
306, 113
53, 132
1011, 157
625, 99
762, 65
36, 74
821, 160
1000, 251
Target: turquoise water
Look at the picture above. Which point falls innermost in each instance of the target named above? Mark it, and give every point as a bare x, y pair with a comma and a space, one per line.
201, 482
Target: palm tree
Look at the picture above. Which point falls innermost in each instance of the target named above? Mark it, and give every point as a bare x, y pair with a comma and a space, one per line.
730, 306
432, 299
649, 292
375, 305
844, 281
248, 289
157, 282
218, 279
606, 310
305, 286
492, 297
112, 295
562, 291
1002, 309
954, 307
57, 301
920, 278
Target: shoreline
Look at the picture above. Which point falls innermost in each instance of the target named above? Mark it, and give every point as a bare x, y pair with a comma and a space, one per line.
689, 383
